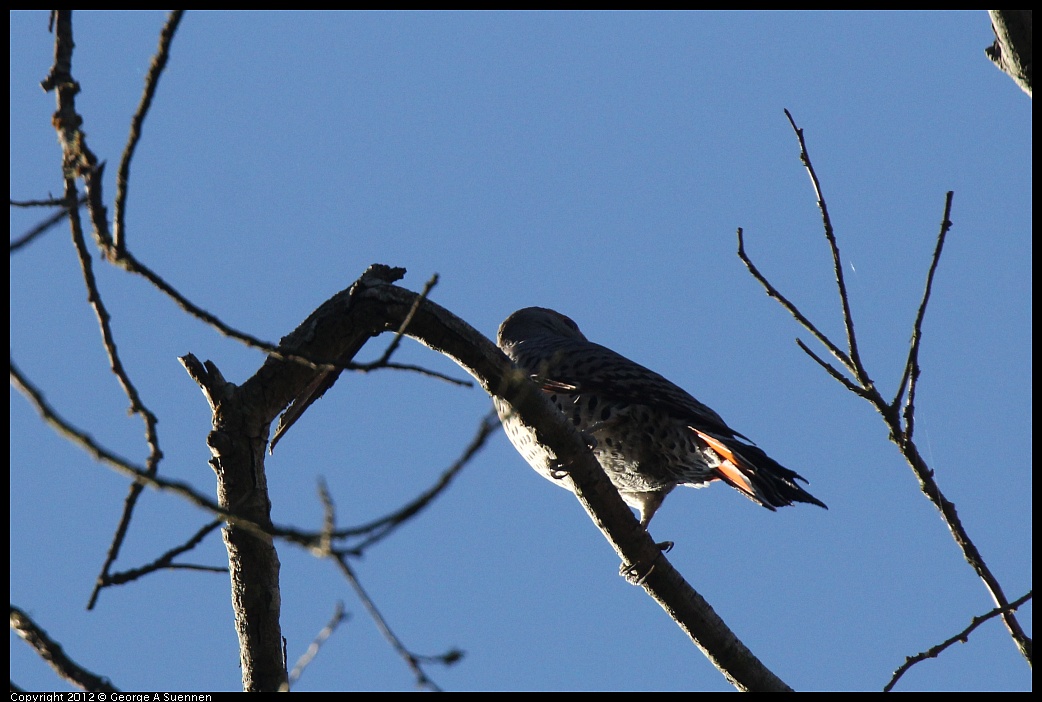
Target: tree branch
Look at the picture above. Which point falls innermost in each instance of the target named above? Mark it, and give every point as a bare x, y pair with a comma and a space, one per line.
790, 307
414, 661
338, 618
856, 367
962, 637
911, 372
900, 435
379, 529
155, 70
51, 651
339, 328
1012, 50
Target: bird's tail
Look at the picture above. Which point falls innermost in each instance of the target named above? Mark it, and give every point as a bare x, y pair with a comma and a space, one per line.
756, 475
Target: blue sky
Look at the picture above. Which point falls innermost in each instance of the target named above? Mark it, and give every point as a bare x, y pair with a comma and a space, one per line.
598, 164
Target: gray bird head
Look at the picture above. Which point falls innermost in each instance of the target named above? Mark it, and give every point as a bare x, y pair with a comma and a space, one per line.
536, 321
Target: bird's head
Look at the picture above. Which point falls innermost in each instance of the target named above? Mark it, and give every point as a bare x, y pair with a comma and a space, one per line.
534, 322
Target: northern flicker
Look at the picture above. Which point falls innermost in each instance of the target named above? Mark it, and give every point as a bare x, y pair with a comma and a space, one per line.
648, 434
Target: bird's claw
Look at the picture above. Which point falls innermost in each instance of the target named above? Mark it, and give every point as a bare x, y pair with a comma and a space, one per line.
637, 573
557, 471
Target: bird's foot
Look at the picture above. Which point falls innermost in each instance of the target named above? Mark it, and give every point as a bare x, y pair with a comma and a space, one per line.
637, 573
558, 470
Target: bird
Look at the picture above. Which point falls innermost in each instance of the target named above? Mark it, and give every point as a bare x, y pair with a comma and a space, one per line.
648, 434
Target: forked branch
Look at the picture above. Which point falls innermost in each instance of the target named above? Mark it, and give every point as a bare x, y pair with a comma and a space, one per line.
900, 424
340, 327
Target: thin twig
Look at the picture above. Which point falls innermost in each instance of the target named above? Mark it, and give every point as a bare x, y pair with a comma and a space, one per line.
366, 368
790, 307
837, 264
165, 561
962, 637
900, 435
385, 360
911, 372
339, 616
80, 438
834, 372
131, 264
46, 224
414, 661
51, 651
324, 550
325, 544
929, 487
49, 202
109, 340
137, 406
380, 528
155, 70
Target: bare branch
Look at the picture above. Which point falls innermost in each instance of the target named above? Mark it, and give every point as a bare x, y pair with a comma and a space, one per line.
414, 661
49, 202
340, 327
339, 617
79, 161
380, 528
80, 438
962, 637
834, 372
837, 264
928, 485
46, 224
166, 36
911, 372
789, 307
325, 551
1012, 50
165, 561
51, 651
900, 435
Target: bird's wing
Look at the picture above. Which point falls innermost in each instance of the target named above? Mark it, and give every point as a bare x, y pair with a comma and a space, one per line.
611, 375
